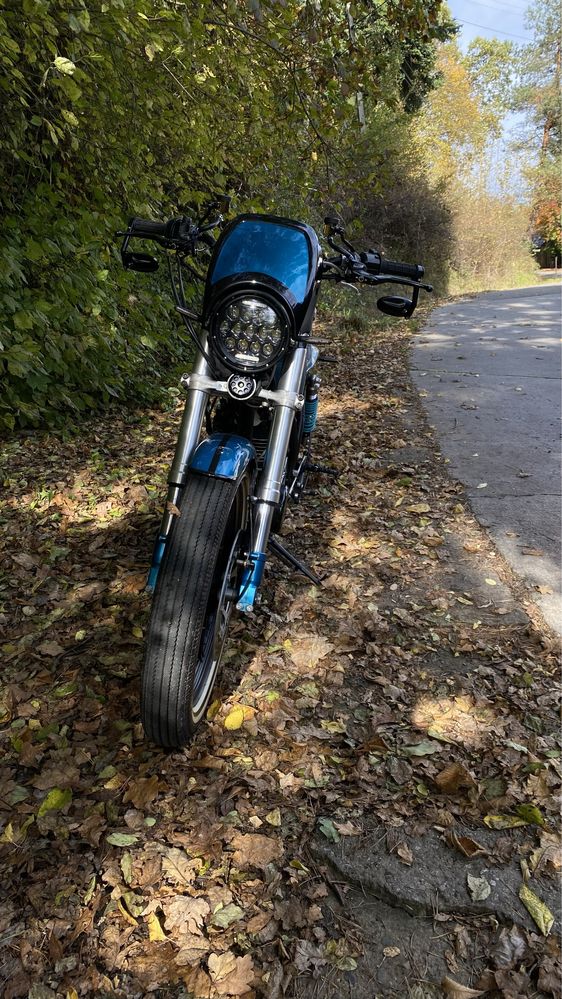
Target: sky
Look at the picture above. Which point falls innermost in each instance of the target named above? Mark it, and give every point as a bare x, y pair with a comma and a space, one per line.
490, 18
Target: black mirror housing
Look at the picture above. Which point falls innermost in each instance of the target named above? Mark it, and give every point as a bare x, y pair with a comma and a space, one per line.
139, 262
395, 305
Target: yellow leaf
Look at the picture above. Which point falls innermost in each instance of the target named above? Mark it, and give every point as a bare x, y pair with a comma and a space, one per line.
274, 817
314, 156
490, 582
537, 909
419, 508
213, 709
125, 914
235, 718
71, 994
503, 821
155, 931
137, 632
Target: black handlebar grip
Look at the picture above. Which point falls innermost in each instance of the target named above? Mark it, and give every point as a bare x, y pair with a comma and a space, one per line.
413, 271
145, 227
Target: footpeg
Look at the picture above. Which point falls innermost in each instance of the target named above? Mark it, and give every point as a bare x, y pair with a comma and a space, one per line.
322, 470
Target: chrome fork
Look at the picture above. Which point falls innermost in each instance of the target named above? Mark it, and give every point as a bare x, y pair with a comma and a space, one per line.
188, 437
268, 493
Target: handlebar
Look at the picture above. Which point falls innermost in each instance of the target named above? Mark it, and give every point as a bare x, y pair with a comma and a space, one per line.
375, 264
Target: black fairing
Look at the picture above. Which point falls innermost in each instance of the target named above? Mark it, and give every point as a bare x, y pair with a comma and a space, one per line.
277, 254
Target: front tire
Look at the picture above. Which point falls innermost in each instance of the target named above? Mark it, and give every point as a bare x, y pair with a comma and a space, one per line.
193, 602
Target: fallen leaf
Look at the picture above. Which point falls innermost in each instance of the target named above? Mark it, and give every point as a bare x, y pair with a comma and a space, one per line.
467, 846
328, 829
419, 508
231, 976
423, 748
155, 931
478, 888
141, 792
405, 854
227, 915
255, 850
55, 800
50, 649
121, 839
509, 949
391, 951
532, 551
481, 485
178, 867
454, 775
185, 913
274, 818
490, 581
307, 651
531, 814
457, 991
237, 716
537, 909
503, 821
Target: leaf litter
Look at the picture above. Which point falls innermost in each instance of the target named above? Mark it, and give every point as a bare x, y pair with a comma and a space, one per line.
126, 869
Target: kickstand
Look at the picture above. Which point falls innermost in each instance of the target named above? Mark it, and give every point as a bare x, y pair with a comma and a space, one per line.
286, 556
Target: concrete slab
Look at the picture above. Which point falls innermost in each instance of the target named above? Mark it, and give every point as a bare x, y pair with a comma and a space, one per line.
488, 370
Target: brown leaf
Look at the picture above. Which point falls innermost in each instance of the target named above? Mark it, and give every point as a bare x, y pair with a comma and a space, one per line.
405, 854
454, 775
257, 922
255, 850
141, 792
198, 983
467, 846
231, 976
306, 651
152, 963
185, 914
178, 867
457, 991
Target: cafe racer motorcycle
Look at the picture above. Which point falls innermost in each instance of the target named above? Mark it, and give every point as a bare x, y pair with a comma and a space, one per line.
244, 443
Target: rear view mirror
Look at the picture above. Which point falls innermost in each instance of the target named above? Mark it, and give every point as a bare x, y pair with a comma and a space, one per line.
395, 305
139, 261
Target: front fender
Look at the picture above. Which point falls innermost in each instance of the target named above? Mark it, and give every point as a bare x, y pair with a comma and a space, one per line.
223, 456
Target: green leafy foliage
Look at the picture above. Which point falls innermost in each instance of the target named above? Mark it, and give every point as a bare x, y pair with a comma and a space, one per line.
112, 108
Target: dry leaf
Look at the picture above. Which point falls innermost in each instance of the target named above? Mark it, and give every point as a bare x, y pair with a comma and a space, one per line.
467, 846
237, 716
391, 951
231, 976
307, 651
457, 991
178, 867
274, 818
537, 910
155, 931
405, 854
255, 850
454, 775
141, 792
184, 913
478, 888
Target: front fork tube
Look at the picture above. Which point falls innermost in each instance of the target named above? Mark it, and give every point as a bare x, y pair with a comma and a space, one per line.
188, 438
271, 480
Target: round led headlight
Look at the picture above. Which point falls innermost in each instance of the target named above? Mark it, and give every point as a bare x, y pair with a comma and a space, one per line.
250, 334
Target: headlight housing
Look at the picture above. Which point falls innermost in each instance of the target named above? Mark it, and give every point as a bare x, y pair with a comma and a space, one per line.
250, 333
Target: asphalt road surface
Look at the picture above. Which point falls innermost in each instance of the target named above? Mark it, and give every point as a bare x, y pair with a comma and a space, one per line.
488, 369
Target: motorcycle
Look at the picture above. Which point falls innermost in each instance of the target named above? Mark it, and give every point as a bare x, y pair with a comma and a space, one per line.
244, 444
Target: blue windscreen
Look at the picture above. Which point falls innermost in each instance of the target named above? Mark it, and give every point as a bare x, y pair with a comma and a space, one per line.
269, 248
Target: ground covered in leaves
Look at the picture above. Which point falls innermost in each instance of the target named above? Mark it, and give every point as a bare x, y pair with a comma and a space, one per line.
370, 808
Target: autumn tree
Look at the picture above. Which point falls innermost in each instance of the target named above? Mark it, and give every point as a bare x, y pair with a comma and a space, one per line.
539, 97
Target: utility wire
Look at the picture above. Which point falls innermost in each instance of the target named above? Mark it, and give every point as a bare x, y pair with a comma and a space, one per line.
495, 31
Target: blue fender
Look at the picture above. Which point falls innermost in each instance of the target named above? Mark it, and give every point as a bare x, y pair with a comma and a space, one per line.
223, 456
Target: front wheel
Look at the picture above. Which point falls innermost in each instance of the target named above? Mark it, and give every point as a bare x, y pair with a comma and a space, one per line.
195, 594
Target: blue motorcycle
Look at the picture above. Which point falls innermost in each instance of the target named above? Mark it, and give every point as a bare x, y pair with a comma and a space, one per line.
244, 444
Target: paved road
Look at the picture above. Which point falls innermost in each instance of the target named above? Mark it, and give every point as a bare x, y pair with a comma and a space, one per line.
489, 372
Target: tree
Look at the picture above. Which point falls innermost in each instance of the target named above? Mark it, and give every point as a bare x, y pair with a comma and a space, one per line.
539, 97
